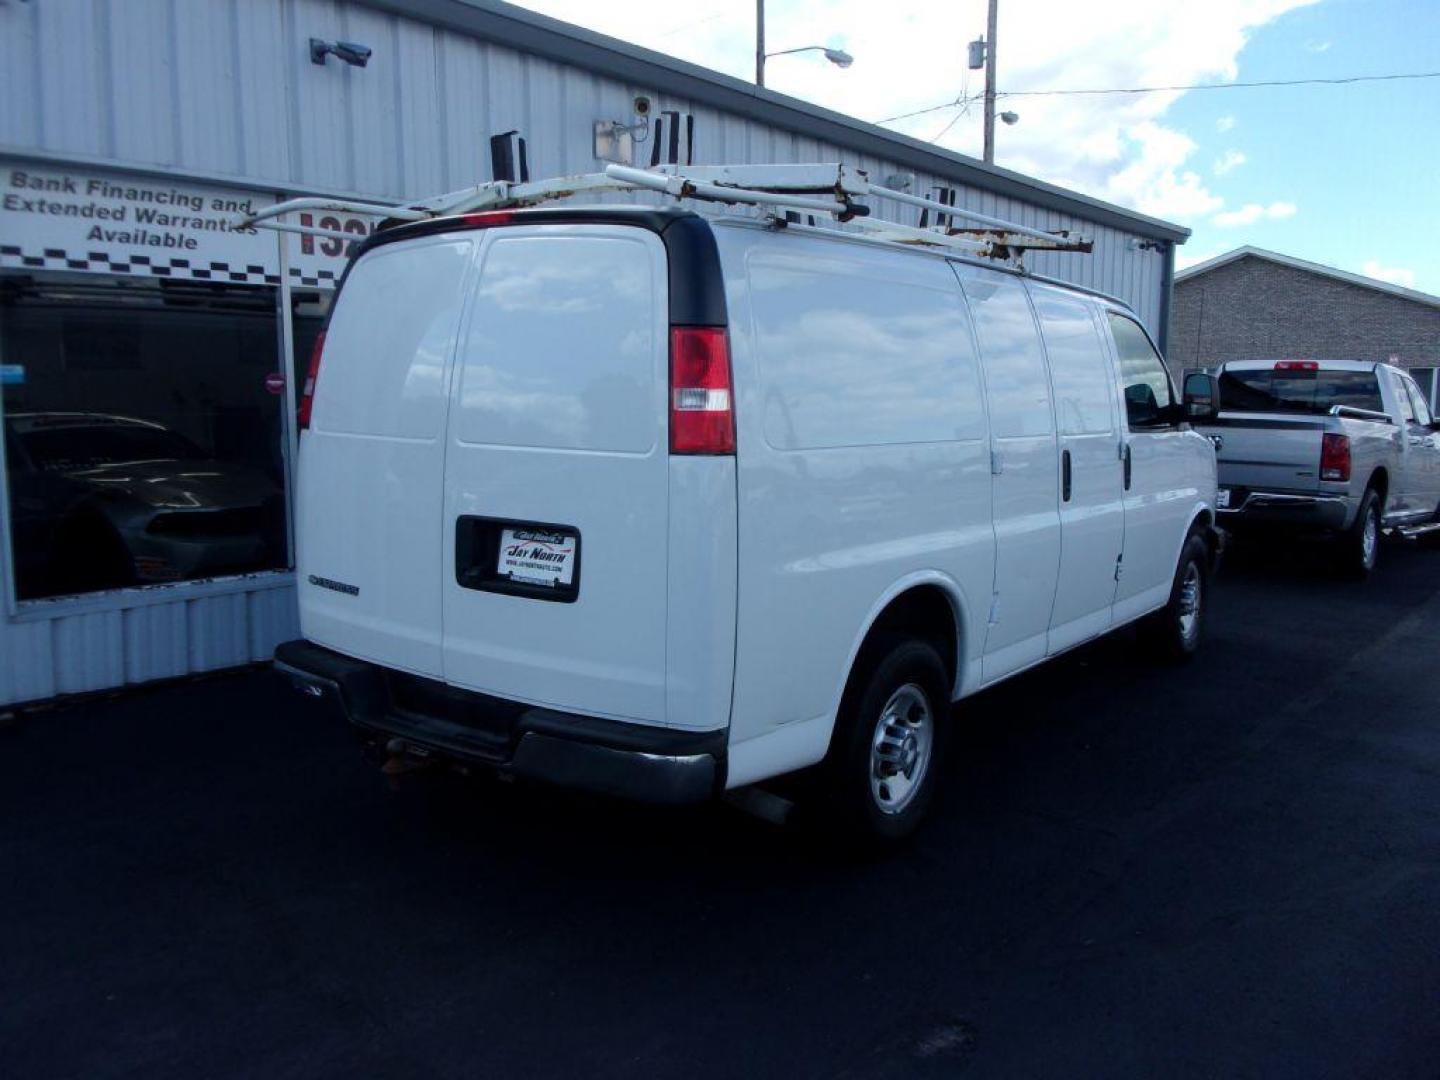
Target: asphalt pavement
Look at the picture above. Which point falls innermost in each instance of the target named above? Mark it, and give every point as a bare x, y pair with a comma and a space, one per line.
1230, 869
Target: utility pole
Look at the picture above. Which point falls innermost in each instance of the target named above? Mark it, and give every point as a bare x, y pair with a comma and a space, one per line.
989, 82
760, 42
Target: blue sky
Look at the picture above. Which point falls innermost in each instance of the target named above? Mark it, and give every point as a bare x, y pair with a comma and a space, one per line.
1360, 163
1348, 176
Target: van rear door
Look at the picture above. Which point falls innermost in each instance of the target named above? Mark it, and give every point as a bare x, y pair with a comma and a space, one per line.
556, 473
369, 488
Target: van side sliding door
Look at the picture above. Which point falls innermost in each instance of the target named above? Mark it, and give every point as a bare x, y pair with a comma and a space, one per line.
1092, 513
1025, 470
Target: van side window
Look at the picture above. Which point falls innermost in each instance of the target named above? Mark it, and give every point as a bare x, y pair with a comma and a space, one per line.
1146, 383
1079, 368
1016, 383
862, 353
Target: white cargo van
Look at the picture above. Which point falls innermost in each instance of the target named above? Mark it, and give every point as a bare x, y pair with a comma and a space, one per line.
660, 505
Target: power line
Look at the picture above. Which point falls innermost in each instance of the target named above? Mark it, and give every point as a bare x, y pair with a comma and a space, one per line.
922, 112
964, 108
1163, 89
1230, 85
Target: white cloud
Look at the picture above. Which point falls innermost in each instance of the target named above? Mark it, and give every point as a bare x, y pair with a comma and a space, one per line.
1317, 46
1253, 212
1224, 124
1228, 161
1396, 275
1154, 180
1116, 147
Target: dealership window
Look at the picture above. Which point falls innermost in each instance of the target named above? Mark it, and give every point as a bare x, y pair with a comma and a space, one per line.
143, 442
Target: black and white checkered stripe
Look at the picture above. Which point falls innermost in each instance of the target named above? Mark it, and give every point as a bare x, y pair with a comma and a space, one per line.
106, 263
322, 279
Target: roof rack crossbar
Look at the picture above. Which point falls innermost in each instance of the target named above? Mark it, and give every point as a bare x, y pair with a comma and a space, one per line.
959, 212
828, 189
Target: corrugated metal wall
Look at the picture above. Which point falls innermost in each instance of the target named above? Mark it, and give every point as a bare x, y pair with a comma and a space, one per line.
225, 88
87, 650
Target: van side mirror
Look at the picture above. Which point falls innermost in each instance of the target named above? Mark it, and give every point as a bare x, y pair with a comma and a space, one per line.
1201, 396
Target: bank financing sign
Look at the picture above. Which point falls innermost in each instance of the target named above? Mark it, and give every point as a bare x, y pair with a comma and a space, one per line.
93, 221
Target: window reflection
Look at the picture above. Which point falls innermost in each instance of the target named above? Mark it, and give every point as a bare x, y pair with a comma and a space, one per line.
141, 443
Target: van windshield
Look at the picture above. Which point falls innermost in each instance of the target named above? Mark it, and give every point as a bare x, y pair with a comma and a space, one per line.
1298, 390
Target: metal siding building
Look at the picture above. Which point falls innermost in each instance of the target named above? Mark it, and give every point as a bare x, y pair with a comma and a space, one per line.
222, 94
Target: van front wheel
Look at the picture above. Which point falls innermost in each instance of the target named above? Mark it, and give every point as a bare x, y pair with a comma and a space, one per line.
1175, 629
880, 775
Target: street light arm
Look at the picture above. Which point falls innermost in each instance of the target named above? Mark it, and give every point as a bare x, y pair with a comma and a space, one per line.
838, 57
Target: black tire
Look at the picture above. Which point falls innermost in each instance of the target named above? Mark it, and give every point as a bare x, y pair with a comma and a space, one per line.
1173, 633
907, 677
1358, 547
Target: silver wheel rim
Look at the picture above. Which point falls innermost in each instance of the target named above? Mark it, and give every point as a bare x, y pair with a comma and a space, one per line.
1369, 538
1190, 600
900, 751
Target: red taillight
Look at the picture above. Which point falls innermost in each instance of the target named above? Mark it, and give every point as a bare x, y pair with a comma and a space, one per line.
1297, 365
702, 416
307, 394
1335, 457
491, 217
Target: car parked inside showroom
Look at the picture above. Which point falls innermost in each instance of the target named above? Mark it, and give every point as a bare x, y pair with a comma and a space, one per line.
105, 501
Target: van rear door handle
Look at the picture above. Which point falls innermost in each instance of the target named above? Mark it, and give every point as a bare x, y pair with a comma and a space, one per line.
1127, 466
1065, 476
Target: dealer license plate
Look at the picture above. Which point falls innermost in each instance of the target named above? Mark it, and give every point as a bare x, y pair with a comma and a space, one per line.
537, 556
1222, 499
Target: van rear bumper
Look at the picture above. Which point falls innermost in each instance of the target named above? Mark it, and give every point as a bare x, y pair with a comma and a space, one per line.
632, 761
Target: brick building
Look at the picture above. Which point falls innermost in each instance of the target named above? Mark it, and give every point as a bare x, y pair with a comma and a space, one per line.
1252, 304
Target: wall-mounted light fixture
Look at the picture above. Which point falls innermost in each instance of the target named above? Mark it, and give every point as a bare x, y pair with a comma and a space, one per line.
615, 141
354, 54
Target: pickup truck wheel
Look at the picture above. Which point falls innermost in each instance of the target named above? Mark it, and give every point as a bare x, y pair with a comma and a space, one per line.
1176, 628
1359, 546
880, 776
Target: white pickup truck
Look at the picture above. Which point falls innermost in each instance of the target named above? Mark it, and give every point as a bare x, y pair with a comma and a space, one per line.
1344, 448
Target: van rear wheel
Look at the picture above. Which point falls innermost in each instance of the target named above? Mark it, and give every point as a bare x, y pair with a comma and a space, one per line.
880, 775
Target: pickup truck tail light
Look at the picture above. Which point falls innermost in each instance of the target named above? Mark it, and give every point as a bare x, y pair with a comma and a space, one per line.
702, 414
1335, 457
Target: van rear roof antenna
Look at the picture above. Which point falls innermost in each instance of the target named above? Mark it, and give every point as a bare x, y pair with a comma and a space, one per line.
833, 190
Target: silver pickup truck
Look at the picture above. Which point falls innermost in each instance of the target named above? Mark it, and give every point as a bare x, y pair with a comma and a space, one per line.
1339, 447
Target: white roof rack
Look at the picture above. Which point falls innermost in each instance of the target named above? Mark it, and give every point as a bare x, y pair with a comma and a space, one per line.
827, 189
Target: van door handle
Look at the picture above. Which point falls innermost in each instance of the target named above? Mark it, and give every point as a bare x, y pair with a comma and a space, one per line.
1127, 466
1065, 476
